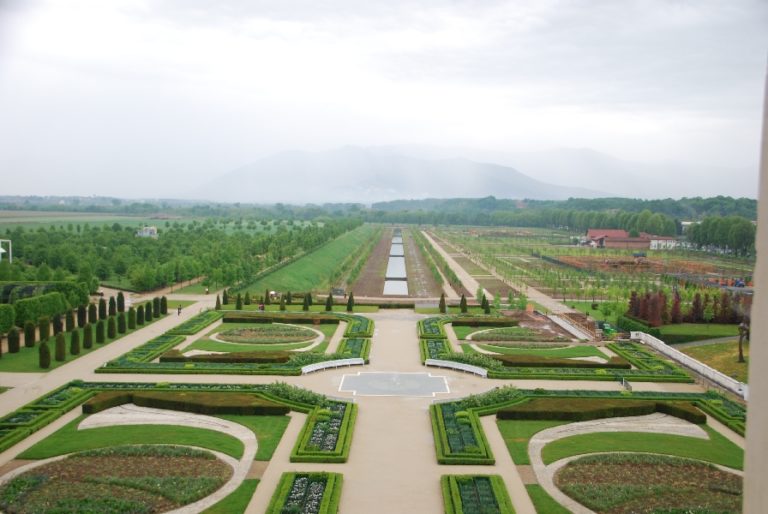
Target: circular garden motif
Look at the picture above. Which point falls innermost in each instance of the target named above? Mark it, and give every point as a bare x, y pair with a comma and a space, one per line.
122, 479
624, 483
267, 334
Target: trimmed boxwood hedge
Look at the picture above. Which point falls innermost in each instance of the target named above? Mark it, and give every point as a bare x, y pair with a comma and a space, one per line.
303, 450
196, 324
329, 504
459, 437
584, 409
197, 402
532, 361
232, 357
257, 317
488, 492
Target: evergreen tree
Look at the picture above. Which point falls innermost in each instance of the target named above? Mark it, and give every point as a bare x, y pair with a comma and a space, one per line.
100, 337
329, 302
92, 314
218, 303
29, 334
289, 298
88, 336
102, 308
74, 342
111, 327
225, 297
305, 304
156, 307
239, 302
140, 315
247, 299
112, 306
120, 302
486, 306
13, 340
121, 323
69, 320
443, 307
309, 298
44, 356
163, 305
44, 327
60, 348
58, 326
267, 299
81, 316
483, 302
149, 312
463, 304
282, 303
351, 302
131, 318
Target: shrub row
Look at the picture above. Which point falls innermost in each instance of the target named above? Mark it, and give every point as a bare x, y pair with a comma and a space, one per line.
232, 357
46, 305
196, 324
475, 494
297, 490
432, 328
75, 293
357, 326
584, 409
257, 317
483, 322
643, 358
7, 318
631, 325
355, 348
433, 349
533, 361
459, 438
197, 402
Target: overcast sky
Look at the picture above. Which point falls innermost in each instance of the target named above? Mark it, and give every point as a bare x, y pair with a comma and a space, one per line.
133, 98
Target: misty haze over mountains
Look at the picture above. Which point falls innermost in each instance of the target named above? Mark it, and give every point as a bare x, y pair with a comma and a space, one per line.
372, 174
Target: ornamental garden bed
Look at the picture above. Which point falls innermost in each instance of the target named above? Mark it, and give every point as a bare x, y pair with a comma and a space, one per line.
327, 434
122, 479
475, 494
307, 493
267, 334
625, 483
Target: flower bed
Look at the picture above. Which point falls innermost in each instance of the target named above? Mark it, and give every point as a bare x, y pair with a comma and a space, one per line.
196, 324
267, 334
459, 438
433, 348
475, 494
327, 434
357, 347
307, 493
432, 328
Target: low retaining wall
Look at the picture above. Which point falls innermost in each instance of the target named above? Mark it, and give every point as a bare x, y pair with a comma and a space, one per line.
712, 374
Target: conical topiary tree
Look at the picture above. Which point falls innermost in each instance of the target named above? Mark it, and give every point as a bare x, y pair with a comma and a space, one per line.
88, 336
329, 302
266, 297
247, 299
61, 348
305, 304
69, 321
112, 306
13, 340
121, 324
100, 336
156, 310
282, 303
442, 303
93, 316
239, 302
131, 318
140, 315
44, 327
81, 316
218, 303
102, 308
58, 326
163, 305
309, 298
225, 297
149, 312
74, 342
351, 302
29, 334
111, 327
463, 304
44, 355
120, 302
289, 298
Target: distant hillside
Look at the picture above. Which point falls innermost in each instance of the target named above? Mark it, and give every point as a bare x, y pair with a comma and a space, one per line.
366, 175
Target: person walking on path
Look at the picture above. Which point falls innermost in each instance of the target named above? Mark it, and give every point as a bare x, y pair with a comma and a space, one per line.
179, 310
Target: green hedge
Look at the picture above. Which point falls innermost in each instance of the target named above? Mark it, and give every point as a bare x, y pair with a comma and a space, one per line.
197, 402
483, 322
7, 318
196, 324
318, 426
255, 357
475, 494
282, 502
354, 348
48, 305
533, 361
75, 293
433, 349
584, 409
459, 438
632, 325
432, 328
272, 317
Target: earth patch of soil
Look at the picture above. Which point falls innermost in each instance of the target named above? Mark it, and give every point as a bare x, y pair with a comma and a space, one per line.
370, 281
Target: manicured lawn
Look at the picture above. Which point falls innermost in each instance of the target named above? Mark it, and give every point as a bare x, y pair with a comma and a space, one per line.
340, 305
268, 430
173, 304
197, 288
543, 502
237, 501
556, 353
723, 357
312, 271
717, 449
27, 360
700, 331
517, 433
215, 346
68, 439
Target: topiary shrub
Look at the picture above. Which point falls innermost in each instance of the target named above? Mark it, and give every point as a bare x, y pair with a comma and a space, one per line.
111, 327
218, 303
163, 305
102, 308
88, 336
156, 310
44, 328
148, 312
121, 324
13, 340
239, 302
120, 302
131, 318
247, 300
140, 315
61, 348
93, 317
82, 316
112, 306
100, 336
58, 326
74, 342
69, 321
44, 355
225, 297
29, 334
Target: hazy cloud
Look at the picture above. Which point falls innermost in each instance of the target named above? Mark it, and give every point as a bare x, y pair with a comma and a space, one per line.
134, 98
